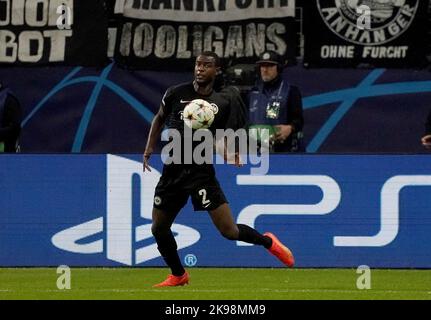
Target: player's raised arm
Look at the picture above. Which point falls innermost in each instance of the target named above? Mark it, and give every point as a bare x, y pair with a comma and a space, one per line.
156, 128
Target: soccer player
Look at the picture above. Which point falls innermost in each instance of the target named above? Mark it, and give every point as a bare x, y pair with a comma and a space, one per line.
179, 181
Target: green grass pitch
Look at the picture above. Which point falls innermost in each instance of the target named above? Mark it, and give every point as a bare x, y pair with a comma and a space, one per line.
215, 284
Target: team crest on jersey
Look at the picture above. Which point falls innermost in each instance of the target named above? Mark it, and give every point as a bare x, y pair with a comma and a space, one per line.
157, 200
214, 107
388, 19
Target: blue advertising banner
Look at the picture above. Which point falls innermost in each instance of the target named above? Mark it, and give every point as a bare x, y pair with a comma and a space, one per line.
331, 210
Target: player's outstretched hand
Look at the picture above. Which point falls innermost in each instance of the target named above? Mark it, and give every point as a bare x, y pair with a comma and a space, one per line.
283, 132
146, 161
238, 161
233, 159
426, 141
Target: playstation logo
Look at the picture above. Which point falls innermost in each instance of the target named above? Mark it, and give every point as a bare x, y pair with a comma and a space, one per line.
115, 232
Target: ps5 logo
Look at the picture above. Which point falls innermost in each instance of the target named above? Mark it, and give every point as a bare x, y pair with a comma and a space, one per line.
117, 235
331, 198
116, 231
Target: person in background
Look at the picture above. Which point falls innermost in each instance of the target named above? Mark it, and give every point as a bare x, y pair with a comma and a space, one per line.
276, 105
10, 121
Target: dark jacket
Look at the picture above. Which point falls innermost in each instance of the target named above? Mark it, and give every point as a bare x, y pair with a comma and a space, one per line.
291, 111
10, 122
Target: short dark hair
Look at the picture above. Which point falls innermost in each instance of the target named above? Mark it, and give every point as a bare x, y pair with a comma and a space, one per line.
214, 55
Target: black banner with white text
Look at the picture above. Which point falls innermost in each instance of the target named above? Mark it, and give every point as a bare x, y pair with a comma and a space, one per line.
168, 35
350, 33
46, 32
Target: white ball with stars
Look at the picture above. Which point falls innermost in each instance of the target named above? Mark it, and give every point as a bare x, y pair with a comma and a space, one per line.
199, 114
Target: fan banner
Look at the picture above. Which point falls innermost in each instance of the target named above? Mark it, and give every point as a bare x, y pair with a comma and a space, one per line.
205, 11
168, 35
60, 32
388, 33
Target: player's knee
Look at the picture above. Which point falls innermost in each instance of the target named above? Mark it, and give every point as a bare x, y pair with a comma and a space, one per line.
155, 230
158, 230
230, 233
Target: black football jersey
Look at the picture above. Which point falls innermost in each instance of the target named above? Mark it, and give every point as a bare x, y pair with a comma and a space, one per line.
231, 112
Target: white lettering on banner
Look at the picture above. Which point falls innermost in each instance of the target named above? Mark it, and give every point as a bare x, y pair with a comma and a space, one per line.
205, 10
28, 45
167, 41
118, 226
387, 20
112, 37
337, 52
8, 47
385, 52
374, 52
330, 199
33, 13
390, 211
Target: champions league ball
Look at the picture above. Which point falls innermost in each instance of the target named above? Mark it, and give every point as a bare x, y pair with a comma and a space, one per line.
198, 114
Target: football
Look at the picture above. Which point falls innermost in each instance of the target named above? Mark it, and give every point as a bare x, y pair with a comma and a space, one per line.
198, 114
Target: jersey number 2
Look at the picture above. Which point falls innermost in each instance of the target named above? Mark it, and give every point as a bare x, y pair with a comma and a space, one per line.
203, 193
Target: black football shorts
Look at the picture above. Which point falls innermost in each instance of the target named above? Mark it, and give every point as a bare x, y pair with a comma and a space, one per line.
178, 183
